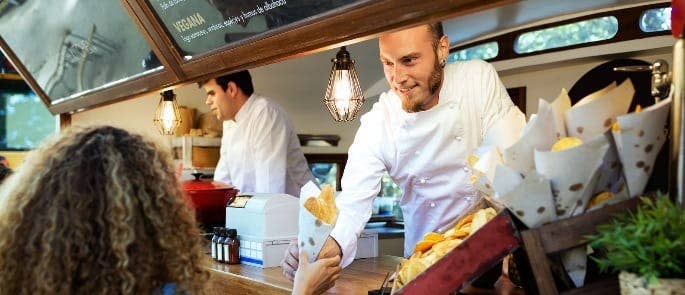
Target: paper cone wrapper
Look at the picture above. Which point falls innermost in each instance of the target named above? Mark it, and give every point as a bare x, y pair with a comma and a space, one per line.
573, 173
620, 192
529, 198
575, 264
559, 107
593, 118
484, 170
597, 94
313, 232
539, 134
610, 171
639, 140
505, 131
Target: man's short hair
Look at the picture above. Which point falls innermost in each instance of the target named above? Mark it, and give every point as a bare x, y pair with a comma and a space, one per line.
242, 79
437, 32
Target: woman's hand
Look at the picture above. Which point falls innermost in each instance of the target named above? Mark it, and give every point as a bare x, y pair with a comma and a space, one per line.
316, 277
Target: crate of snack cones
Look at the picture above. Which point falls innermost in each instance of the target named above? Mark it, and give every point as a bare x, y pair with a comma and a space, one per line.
443, 263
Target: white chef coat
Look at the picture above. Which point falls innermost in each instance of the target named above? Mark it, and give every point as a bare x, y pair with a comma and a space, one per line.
260, 151
424, 153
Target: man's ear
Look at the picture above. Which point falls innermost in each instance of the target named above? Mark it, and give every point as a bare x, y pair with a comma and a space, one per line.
443, 48
232, 89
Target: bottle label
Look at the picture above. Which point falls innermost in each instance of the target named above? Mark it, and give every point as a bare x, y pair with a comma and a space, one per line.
219, 253
226, 254
213, 250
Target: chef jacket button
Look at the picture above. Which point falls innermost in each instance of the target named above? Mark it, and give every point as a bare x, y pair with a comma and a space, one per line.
458, 138
417, 153
432, 205
466, 169
422, 180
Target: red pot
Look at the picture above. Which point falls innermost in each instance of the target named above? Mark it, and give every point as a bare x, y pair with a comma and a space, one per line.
209, 199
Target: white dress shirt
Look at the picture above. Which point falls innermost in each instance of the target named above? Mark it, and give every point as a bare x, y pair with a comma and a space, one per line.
424, 153
260, 151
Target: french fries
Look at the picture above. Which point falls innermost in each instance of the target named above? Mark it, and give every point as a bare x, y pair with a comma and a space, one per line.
323, 207
434, 246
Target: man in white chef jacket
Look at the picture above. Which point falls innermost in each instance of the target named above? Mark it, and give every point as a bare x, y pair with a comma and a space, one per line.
260, 151
420, 132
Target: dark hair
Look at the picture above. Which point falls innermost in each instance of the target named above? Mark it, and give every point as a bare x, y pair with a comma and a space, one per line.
241, 79
4, 172
437, 32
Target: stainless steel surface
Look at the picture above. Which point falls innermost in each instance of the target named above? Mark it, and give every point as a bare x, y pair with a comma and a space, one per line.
676, 150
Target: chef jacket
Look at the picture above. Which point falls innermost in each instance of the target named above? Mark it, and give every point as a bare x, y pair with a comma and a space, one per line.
424, 153
260, 151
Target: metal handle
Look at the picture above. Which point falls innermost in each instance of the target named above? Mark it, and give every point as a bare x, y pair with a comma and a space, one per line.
661, 77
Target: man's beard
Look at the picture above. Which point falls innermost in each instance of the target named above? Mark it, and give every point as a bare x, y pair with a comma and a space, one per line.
416, 105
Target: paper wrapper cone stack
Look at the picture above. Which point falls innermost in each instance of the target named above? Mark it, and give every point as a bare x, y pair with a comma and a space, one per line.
317, 219
594, 115
529, 198
639, 139
538, 134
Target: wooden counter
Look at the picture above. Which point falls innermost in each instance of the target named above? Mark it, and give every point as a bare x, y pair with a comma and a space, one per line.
358, 278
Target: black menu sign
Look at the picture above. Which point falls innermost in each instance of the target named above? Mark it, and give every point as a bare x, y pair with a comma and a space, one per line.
199, 26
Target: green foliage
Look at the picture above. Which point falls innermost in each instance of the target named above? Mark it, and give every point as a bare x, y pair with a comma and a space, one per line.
649, 242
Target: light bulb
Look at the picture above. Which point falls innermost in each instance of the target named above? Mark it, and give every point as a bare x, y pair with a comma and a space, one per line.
342, 92
168, 116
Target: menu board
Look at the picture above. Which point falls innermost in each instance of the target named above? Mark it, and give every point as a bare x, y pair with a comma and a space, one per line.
73, 47
198, 26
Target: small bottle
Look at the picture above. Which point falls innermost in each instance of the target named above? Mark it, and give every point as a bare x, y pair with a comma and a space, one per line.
233, 246
220, 245
215, 238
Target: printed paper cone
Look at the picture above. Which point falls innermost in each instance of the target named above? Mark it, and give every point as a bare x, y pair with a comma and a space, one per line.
529, 198
593, 118
539, 134
573, 173
610, 171
639, 139
559, 107
312, 232
596, 94
575, 264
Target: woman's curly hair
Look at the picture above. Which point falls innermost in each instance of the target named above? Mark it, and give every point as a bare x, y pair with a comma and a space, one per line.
97, 211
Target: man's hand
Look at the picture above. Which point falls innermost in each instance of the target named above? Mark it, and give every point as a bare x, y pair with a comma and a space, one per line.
291, 261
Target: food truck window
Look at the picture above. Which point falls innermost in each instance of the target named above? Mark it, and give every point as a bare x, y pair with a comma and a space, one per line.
24, 119
586, 31
482, 51
201, 26
83, 46
655, 20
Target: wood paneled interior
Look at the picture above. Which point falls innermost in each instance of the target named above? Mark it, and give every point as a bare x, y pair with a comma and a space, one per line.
628, 29
363, 20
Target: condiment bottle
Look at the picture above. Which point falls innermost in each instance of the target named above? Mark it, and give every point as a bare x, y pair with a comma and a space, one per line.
220, 246
215, 239
233, 246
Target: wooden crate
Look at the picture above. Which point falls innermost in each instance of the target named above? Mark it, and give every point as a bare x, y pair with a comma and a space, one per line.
553, 238
477, 254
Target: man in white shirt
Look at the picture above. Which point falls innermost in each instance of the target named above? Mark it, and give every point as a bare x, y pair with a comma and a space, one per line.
260, 151
420, 132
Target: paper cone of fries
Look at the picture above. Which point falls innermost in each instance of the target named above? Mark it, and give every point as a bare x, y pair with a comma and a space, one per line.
573, 173
559, 107
318, 215
639, 137
505, 131
591, 117
483, 168
529, 198
539, 134
575, 264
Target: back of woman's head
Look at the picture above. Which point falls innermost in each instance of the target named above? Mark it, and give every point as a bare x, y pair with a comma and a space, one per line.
97, 210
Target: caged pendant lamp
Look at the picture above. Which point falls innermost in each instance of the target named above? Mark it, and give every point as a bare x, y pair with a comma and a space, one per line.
167, 116
344, 97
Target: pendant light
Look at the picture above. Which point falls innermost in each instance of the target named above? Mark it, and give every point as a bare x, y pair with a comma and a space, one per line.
167, 116
344, 96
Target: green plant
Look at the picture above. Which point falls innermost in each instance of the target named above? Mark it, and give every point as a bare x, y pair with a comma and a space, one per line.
649, 242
